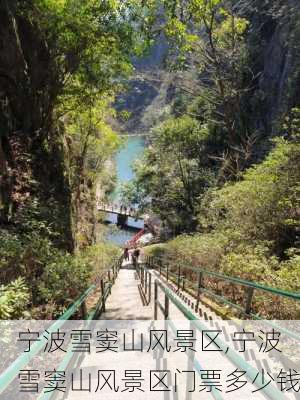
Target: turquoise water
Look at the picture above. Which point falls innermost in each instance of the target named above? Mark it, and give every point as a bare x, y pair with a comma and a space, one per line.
131, 150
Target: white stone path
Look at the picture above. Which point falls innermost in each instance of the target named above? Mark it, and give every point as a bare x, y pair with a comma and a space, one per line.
125, 303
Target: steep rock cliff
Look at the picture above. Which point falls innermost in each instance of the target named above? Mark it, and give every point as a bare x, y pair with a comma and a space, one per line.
32, 168
274, 45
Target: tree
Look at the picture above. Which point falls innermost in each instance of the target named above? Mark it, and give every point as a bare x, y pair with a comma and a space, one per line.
263, 208
91, 142
209, 38
57, 56
174, 173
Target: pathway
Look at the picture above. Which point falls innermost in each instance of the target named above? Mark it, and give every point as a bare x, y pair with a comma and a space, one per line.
125, 303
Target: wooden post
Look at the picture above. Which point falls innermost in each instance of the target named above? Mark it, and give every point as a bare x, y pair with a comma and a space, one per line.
167, 272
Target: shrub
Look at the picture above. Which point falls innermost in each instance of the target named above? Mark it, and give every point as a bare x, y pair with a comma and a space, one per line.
264, 205
13, 299
250, 231
67, 276
63, 279
51, 278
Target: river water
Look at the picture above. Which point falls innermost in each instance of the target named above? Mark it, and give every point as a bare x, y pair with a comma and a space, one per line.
130, 151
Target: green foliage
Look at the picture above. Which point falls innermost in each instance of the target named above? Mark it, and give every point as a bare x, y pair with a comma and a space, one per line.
90, 45
75, 56
90, 41
155, 250
101, 256
14, 298
250, 231
10, 249
292, 123
198, 250
91, 141
264, 204
171, 184
67, 276
64, 278
211, 38
289, 274
48, 277
248, 228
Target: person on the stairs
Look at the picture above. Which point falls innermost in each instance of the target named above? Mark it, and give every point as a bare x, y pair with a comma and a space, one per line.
135, 256
126, 254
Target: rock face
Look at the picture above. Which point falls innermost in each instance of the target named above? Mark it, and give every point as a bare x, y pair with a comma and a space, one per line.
274, 45
278, 32
149, 92
32, 160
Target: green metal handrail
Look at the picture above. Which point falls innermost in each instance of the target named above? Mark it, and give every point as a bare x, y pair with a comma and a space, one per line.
248, 285
279, 292
145, 277
12, 371
71, 356
231, 354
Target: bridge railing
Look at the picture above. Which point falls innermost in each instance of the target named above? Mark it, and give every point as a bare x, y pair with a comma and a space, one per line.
106, 279
199, 281
135, 238
117, 209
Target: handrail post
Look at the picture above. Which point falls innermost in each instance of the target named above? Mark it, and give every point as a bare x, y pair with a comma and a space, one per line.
167, 303
167, 272
155, 299
178, 279
103, 294
149, 290
200, 285
250, 292
146, 282
83, 310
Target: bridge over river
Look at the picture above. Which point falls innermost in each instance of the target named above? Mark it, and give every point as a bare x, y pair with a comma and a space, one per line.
148, 290
125, 216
